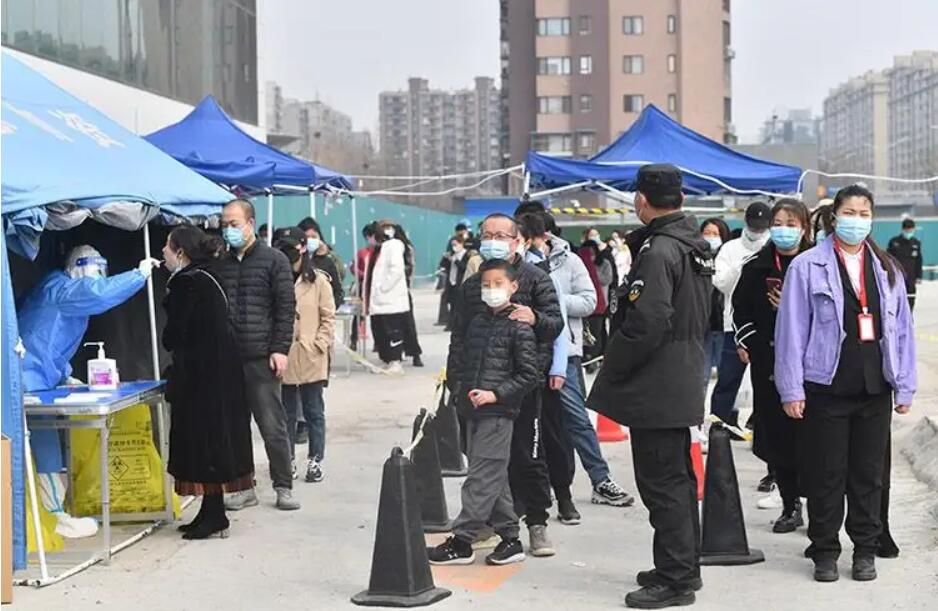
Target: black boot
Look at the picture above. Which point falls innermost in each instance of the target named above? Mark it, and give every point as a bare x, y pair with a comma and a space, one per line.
183, 528
214, 522
418, 362
864, 568
790, 519
825, 570
659, 596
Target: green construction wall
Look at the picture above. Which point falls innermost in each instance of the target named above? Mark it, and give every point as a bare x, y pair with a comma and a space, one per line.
429, 230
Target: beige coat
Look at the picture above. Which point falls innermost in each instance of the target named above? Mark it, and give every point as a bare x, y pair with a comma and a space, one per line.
313, 332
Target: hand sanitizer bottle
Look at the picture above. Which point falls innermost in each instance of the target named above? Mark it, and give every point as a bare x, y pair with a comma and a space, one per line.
102, 371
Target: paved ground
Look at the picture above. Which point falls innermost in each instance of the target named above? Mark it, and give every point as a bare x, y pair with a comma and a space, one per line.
316, 558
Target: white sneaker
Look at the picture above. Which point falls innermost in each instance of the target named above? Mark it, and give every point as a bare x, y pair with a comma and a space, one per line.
394, 368
772, 501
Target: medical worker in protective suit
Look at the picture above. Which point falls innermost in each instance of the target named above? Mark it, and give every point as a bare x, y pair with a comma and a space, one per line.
53, 319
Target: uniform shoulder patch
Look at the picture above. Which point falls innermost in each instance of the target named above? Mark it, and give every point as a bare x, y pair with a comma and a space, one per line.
635, 290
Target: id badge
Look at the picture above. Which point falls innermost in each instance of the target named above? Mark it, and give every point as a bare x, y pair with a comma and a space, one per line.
865, 322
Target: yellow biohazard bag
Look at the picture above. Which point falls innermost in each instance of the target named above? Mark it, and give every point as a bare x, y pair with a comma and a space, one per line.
51, 540
134, 466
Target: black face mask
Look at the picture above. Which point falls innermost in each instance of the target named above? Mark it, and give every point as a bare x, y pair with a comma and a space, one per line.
293, 255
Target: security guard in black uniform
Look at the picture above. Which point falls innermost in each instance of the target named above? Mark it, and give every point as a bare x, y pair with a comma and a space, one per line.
906, 248
650, 379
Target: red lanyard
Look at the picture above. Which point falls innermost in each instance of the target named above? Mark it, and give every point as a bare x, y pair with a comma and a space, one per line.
778, 262
862, 293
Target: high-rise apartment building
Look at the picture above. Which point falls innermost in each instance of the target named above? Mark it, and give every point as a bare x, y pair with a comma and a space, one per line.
316, 131
856, 122
913, 115
885, 123
426, 131
576, 73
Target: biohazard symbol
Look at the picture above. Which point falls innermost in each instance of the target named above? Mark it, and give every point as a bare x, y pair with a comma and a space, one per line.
118, 468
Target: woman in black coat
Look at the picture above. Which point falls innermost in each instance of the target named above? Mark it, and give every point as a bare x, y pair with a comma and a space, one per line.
755, 305
210, 449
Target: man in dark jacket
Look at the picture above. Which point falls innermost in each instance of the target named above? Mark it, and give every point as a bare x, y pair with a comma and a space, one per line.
536, 305
650, 380
261, 304
499, 369
907, 250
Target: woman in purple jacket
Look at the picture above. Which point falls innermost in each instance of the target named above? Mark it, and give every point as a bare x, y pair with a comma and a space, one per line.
845, 355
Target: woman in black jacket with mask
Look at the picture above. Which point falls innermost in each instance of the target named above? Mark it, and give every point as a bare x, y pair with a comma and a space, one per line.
210, 449
755, 306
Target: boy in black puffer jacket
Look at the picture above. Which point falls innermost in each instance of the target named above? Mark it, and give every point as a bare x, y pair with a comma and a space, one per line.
500, 366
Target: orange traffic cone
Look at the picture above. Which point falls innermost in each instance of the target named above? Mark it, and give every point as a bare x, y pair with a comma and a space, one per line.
696, 457
608, 431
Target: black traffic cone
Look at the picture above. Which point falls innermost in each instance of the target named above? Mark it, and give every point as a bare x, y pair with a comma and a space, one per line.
724, 539
426, 458
400, 571
452, 461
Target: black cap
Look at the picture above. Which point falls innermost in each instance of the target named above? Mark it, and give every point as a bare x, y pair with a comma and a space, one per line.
659, 180
294, 235
758, 216
908, 224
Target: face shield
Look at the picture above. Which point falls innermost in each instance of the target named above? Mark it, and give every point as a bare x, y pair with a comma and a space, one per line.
86, 262
90, 267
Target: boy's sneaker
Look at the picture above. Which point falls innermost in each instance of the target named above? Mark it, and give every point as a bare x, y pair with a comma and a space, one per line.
567, 513
451, 551
540, 546
766, 484
508, 551
293, 469
607, 492
314, 471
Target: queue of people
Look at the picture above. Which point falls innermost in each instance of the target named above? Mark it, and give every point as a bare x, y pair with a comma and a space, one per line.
824, 329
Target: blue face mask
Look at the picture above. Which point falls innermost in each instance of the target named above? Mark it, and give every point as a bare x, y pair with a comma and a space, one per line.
714, 241
820, 235
908, 235
494, 249
312, 245
853, 229
234, 236
785, 238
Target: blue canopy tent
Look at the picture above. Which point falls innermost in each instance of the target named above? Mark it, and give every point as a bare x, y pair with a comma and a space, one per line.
209, 142
708, 166
65, 162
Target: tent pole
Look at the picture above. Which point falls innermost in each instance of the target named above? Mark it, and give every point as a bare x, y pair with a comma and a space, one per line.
151, 307
312, 203
34, 503
526, 190
270, 217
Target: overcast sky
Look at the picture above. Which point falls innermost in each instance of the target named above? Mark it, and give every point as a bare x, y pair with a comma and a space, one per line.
789, 53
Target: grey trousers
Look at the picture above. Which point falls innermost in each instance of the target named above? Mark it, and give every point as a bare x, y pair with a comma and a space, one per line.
486, 495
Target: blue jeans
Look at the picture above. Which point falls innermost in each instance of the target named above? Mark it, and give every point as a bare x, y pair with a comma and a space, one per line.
713, 348
731, 372
309, 398
576, 422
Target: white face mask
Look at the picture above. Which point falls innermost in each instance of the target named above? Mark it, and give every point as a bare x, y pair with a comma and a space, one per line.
389, 232
494, 297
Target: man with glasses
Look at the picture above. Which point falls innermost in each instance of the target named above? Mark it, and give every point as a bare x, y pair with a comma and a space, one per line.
536, 304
